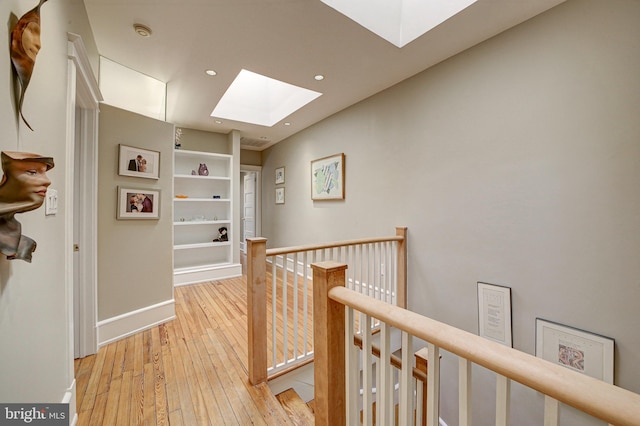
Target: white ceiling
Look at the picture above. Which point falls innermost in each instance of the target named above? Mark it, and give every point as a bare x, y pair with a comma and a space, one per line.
288, 40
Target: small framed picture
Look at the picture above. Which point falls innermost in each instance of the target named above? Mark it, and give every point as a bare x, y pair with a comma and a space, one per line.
327, 178
138, 162
279, 195
578, 350
494, 313
279, 175
137, 203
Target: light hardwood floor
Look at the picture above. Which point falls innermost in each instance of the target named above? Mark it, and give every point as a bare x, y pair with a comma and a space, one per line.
190, 371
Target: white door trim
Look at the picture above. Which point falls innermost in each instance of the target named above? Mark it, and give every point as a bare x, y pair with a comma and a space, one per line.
83, 95
258, 171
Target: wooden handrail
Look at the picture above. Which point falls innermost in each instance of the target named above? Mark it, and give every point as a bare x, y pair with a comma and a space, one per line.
607, 402
298, 249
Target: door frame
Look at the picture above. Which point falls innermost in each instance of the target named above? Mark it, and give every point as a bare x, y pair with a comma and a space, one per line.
83, 101
258, 201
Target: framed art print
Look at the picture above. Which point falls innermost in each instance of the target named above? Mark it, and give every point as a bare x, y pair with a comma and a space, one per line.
279, 195
279, 175
138, 162
327, 178
578, 350
137, 203
494, 313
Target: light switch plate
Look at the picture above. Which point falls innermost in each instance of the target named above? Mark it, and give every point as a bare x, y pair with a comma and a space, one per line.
51, 202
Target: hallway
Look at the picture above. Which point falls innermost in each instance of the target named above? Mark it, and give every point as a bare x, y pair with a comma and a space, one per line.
190, 371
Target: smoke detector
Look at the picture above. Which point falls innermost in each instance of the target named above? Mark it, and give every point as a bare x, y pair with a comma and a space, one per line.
142, 30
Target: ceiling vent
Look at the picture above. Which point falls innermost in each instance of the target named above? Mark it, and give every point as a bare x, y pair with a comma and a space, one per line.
255, 144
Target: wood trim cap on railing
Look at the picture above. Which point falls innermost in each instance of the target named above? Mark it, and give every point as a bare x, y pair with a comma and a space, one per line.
610, 403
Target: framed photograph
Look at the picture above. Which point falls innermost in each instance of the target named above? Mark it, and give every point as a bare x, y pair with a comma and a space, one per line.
494, 313
279, 195
137, 203
327, 178
279, 175
578, 350
138, 162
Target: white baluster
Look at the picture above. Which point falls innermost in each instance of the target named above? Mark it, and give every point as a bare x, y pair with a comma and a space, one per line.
406, 380
274, 310
367, 375
503, 397
433, 385
464, 391
385, 386
551, 411
351, 359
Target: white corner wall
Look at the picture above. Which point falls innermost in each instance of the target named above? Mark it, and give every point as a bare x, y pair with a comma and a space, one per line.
516, 163
36, 365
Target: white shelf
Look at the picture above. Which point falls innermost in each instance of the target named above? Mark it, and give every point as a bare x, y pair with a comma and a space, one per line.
200, 200
201, 245
201, 222
197, 177
196, 257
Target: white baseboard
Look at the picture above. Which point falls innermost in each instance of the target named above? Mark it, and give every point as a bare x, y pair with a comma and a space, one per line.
187, 276
125, 325
70, 398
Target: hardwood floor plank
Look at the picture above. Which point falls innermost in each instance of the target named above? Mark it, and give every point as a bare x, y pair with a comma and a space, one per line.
189, 371
124, 405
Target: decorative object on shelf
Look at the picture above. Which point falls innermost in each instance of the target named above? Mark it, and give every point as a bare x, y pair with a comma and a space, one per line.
203, 170
578, 350
178, 136
494, 311
327, 178
23, 188
181, 196
139, 162
138, 203
25, 45
279, 175
216, 197
279, 195
222, 235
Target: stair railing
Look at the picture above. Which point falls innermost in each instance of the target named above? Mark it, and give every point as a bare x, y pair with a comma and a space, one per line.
279, 298
337, 382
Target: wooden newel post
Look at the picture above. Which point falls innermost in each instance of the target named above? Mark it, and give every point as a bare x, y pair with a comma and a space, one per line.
328, 343
257, 309
402, 267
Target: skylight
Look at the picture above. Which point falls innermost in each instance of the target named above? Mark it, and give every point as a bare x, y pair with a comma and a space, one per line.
399, 22
128, 89
256, 99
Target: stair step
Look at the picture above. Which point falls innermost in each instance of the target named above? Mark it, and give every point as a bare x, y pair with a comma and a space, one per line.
297, 410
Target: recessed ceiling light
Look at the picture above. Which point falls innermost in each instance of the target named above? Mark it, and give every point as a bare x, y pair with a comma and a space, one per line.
142, 30
286, 123
218, 121
211, 72
319, 77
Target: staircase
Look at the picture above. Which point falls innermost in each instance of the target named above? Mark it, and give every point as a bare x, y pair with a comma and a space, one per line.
300, 412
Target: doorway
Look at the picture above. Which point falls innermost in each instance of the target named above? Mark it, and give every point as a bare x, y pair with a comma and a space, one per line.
81, 203
250, 209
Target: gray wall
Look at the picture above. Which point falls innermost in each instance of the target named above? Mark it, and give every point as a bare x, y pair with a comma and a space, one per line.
199, 140
517, 163
135, 268
35, 360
